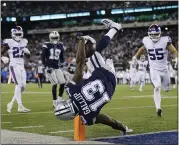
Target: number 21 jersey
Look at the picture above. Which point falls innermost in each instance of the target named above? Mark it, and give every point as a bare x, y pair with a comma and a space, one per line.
157, 52
15, 51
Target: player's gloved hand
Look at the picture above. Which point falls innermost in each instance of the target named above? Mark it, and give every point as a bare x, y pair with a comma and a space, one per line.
49, 70
4, 59
134, 59
26, 51
61, 65
110, 24
176, 60
88, 38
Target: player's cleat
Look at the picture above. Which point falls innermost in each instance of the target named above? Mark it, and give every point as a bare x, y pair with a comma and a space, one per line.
22, 109
140, 90
9, 107
110, 24
127, 131
131, 88
159, 112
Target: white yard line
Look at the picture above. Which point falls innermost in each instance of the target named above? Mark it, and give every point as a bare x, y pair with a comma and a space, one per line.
121, 98
5, 122
60, 131
29, 126
137, 107
27, 93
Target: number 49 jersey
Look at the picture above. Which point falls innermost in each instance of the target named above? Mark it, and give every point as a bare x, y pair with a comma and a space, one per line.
157, 52
15, 51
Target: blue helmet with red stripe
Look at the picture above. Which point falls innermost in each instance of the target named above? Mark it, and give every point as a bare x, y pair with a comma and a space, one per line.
154, 32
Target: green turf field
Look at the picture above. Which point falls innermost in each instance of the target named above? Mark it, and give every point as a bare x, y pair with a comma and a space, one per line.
133, 108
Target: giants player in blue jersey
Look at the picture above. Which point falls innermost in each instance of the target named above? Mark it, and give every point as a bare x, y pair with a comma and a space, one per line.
87, 97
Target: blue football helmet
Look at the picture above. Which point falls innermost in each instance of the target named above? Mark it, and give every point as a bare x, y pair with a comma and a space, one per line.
154, 32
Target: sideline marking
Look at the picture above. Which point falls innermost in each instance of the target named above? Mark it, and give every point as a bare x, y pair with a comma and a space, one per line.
62, 131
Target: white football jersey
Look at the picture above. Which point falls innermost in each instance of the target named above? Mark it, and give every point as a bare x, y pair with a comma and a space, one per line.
15, 51
157, 52
133, 66
142, 65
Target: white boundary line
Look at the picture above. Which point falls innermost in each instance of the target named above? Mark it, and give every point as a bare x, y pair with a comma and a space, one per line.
62, 131
132, 135
137, 107
5, 122
29, 126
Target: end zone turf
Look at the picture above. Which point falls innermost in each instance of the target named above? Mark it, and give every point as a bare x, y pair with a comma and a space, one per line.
168, 137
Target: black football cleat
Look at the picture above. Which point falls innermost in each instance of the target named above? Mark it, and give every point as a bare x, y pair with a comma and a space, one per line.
159, 112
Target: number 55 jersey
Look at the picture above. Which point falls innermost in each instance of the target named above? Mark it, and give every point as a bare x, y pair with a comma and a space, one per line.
157, 52
15, 51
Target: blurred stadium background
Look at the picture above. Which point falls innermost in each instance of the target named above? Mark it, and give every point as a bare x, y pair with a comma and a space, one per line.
70, 19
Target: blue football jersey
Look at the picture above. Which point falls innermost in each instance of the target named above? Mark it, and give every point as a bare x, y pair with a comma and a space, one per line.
90, 95
52, 54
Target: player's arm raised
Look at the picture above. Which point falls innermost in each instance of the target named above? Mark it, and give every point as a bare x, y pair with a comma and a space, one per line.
80, 61
139, 52
172, 49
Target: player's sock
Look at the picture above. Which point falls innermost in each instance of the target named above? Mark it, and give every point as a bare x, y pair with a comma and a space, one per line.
141, 85
18, 94
157, 98
13, 99
59, 99
54, 103
61, 90
54, 92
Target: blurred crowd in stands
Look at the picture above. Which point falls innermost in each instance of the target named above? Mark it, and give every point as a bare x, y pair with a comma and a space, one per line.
29, 8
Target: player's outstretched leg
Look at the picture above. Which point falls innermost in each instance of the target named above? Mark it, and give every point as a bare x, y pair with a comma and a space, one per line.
115, 124
61, 90
157, 100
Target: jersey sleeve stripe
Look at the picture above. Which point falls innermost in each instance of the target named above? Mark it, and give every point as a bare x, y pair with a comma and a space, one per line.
92, 62
97, 60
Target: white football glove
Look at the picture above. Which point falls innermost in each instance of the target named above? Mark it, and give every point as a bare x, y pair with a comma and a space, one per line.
4, 59
88, 38
134, 59
110, 24
26, 50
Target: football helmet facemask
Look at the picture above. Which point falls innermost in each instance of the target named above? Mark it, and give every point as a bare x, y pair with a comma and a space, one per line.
54, 37
64, 110
17, 33
154, 32
142, 57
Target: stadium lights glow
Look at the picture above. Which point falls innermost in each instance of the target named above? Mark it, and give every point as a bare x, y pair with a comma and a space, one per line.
8, 19
58, 16
103, 12
116, 11
4, 4
13, 19
78, 14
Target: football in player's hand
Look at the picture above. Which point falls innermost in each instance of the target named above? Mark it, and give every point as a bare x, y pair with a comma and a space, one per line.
89, 48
